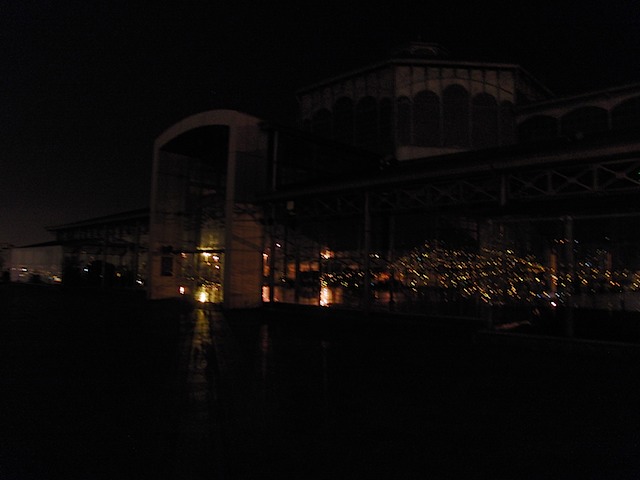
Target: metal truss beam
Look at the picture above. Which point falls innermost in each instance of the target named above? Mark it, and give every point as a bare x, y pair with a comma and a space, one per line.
612, 177
601, 178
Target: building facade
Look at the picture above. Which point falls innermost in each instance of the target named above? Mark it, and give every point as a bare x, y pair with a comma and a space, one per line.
103, 251
393, 162
209, 228
615, 109
205, 235
419, 178
421, 103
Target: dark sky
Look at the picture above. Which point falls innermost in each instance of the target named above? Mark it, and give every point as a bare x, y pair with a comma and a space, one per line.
86, 87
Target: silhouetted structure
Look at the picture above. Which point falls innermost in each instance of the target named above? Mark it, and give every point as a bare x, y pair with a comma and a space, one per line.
108, 251
419, 103
420, 183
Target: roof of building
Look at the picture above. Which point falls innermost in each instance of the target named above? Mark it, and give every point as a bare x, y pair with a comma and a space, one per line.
139, 214
583, 98
425, 54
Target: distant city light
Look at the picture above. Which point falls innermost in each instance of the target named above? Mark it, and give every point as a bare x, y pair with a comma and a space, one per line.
326, 254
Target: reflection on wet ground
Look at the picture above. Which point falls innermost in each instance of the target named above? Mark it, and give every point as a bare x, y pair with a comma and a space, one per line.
197, 441
323, 398
103, 387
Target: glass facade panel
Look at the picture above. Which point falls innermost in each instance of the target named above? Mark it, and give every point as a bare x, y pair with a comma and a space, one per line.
403, 130
426, 118
484, 121
367, 123
455, 102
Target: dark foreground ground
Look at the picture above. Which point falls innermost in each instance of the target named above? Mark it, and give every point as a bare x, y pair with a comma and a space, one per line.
103, 385
86, 383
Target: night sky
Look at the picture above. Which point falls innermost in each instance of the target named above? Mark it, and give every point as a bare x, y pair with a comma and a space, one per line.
86, 87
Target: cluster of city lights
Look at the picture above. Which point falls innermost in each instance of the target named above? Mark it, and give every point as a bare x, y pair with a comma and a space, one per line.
594, 279
491, 275
345, 279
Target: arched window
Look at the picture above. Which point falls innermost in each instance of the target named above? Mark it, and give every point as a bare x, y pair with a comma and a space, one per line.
321, 123
626, 114
386, 125
540, 127
343, 120
455, 115
426, 119
367, 123
403, 126
484, 120
507, 124
584, 120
